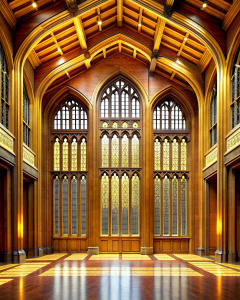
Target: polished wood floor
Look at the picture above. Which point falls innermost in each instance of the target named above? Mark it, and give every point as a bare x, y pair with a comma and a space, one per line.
114, 276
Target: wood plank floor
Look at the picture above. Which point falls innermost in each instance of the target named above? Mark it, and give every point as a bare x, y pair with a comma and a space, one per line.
77, 276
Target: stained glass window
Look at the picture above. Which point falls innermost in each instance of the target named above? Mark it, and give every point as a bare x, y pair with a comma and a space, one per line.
56, 155
166, 206
65, 155
75, 117
135, 204
125, 204
157, 149
4, 83
165, 154
56, 206
174, 206
168, 115
175, 154
83, 205
74, 155
26, 118
183, 155
74, 205
213, 116
184, 205
83, 119
65, 205
135, 151
122, 150
157, 202
115, 204
105, 203
115, 151
83, 155
125, 151
105, 151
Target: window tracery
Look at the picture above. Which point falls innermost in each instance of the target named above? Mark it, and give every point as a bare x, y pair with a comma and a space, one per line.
26, 117
213, 116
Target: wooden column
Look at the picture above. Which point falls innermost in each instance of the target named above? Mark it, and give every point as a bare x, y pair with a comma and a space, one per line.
222, 99
18, 252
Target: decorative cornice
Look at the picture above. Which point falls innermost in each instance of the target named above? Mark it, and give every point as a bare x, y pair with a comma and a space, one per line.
8, 14
231, 14
211, 157
233, 140
6, 139
28, 156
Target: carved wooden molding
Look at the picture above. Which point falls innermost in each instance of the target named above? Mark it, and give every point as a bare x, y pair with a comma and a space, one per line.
6, 140
211, 157
28, 155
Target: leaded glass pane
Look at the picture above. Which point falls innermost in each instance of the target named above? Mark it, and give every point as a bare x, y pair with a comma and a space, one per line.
65, 155
233, 88
105, 151
125, 104
175, 154
65, 206
56, 206
56, 155
165, 117
135, 108
83, 119
83, 205
125, 204
83, 155
105, 203
238, 111
135, 151
165, 154
183, 155
125, 151
157, 153
74, 155
238, 82
74, 205
184, 205
156, 118
75, 117
115, 204
157, 202
166, 206
233, 116
115, 104
115, 151
174, 206
104, 108
135, 204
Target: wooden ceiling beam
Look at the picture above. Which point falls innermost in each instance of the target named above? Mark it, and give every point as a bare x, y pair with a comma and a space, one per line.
119, 13
183, 44
99, 21
57, 44
140, 19
80, 33
158, 34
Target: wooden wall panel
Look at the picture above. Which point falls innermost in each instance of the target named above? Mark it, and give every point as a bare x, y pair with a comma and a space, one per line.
120, 244
70, 245
176, 245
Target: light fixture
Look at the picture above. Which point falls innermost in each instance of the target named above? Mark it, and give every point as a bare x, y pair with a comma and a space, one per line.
139, 24
59, 50
99, 22
185, 39
178, 61
34, 4
204, 5
67, 74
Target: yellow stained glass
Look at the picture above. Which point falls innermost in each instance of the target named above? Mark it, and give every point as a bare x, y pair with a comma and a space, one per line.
157, 154
125, 151
135, 125
184, 205
115, 125
115, 204
175, 154
74, 155
165, 206
105, 151
157, 205
166, 155
56, 155
105, 125
105, 203
183, 155
135, 204
174, 206
125, 125
83, 155
135, 151
65, 155
115, 151
125, 203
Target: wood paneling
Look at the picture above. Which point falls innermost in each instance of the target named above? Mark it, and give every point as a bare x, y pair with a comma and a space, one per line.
120, 244
171, 245
70, 244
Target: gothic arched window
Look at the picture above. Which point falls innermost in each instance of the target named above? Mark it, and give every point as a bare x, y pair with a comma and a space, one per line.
120, 163
235, 105
26, 117
4, 82
213, 116
69, 137
170, 169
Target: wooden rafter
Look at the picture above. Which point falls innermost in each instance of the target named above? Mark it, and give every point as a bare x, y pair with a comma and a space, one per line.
80, 33
158, 34
119, 13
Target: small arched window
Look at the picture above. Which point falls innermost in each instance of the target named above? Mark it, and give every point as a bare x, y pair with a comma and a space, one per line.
26, 117
168, 115
235, 105
71, 116
4, 82
213, 116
